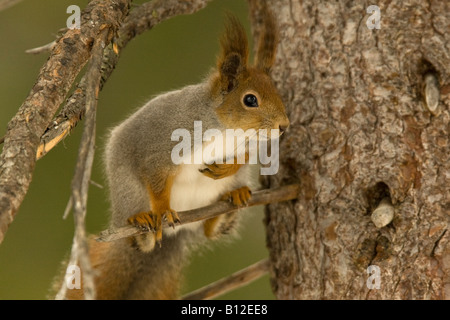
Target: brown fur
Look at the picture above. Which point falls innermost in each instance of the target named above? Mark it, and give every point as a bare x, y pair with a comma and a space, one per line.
235, 78
114, 283
102, 265
267, 45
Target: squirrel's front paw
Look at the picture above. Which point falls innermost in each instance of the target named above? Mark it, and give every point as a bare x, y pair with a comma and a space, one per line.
219, 171
238, 197
151, 221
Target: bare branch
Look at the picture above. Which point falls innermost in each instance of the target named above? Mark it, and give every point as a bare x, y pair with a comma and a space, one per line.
81, 179
49, 46
45, 48
141, 19
232, 282
22, 138
262, 197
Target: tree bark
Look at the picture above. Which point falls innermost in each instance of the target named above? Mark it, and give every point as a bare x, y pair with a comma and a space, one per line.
364, 127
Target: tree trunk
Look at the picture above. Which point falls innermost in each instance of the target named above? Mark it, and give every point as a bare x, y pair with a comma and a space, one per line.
364, 128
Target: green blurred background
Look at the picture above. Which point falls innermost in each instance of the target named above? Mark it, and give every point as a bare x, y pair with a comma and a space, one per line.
175, 53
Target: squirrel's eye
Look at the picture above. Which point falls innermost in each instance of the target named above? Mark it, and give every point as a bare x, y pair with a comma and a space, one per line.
250, 100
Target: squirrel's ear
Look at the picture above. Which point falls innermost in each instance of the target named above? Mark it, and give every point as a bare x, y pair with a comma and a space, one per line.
230, 68
267, 45
234, 53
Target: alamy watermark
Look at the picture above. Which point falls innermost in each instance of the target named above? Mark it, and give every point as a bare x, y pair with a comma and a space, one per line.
373, 22
74, 20
230, 147
73, 277
374, 280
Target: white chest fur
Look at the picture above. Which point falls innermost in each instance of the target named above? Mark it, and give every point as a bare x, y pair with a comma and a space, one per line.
191, 189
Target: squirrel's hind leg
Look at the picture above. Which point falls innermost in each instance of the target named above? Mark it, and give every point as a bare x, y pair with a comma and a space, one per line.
224, 223
159, 197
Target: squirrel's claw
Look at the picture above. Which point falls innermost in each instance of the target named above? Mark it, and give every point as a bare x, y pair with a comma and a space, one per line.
142, 220
210, 173
150, 221
172, 218
238, 197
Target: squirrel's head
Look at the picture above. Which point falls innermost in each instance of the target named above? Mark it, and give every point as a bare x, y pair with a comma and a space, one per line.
249, 99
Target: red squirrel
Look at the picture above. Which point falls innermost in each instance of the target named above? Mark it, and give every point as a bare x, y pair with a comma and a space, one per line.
146, 186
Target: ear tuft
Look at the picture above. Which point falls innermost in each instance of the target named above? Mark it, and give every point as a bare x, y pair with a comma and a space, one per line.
234, 52
230, 69
267, 45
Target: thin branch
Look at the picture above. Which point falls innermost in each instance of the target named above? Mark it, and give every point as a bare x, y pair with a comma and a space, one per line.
262, 197
5, 4
141, 19
81, 179
68, 208
49, 46
45, 48
22, 138
232, 282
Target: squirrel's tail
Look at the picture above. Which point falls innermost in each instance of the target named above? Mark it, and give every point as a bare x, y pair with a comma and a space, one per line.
123, 272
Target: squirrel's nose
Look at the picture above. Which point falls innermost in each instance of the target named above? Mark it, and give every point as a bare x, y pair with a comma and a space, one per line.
283, 124
282, 129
